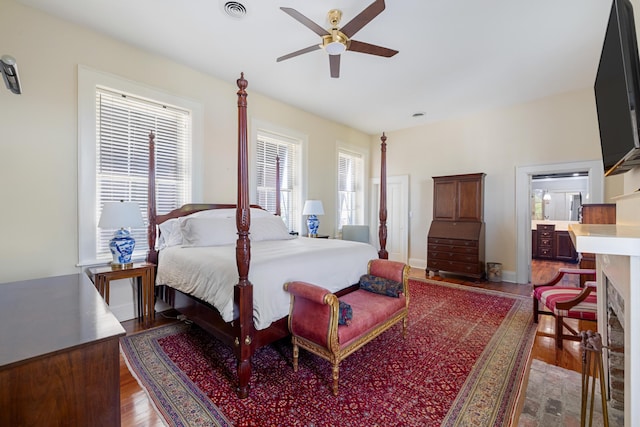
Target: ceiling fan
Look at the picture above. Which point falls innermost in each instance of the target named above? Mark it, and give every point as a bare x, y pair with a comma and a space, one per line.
338, 40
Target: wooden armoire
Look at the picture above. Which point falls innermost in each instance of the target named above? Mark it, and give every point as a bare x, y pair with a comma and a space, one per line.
455, 242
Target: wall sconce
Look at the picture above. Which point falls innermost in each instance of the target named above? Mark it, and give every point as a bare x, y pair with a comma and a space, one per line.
9, 71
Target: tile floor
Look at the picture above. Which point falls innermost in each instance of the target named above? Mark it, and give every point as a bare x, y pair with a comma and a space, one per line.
553, 398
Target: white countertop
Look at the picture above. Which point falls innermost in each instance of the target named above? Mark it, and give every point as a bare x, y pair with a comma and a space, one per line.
606, 239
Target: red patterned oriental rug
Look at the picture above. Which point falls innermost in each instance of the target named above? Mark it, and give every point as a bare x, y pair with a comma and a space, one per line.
461, 364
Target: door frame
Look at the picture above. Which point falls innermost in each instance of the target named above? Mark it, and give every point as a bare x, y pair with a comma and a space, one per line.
374, 217
523, 208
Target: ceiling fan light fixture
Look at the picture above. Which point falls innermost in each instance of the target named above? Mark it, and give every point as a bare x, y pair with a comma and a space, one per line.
335, 48
335, 43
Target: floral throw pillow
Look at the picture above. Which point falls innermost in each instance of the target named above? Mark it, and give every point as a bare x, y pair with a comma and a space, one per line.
380, 285
345, 313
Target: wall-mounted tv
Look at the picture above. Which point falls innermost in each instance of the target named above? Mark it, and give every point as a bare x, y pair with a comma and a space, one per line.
617, 92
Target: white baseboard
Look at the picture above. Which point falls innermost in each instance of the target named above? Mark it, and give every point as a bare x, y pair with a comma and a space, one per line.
418, 263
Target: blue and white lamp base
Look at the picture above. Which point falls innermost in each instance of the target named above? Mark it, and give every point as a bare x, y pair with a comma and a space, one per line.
121, 246
312, 224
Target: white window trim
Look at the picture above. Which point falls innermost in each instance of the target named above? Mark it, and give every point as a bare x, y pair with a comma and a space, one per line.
88, 80
260, 125
364, 152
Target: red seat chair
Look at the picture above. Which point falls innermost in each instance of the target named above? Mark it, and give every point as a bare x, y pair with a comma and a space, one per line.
566, 302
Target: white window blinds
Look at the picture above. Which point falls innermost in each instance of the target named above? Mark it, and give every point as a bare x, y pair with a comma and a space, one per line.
123, 123
350, 191
269, 146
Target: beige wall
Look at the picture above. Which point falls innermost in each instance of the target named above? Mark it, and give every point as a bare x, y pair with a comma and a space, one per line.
38, 143
556, 129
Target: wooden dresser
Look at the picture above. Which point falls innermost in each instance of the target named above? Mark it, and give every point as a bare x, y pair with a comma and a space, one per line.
59, 354
546, 241
455, 242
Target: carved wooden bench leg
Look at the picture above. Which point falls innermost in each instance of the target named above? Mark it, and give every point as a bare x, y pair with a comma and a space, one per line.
336, 373
295, 354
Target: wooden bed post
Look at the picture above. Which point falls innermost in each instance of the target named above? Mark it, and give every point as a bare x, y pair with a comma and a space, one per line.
278, 185
243, 291
382, 232
152, 255
240, 333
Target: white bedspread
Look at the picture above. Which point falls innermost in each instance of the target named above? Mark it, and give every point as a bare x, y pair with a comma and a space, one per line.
210, 273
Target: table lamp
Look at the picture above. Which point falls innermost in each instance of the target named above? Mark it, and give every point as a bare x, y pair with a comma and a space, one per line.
121, 215
313, 208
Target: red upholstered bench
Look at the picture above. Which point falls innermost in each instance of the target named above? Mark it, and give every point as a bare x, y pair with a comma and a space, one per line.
313, 320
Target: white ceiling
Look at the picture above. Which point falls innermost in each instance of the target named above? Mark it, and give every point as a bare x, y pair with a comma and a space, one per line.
456, 56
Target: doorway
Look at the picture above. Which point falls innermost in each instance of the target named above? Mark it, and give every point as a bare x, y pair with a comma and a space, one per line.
523, 204
397, 216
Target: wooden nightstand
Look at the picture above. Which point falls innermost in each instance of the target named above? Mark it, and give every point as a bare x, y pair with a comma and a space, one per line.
144, 273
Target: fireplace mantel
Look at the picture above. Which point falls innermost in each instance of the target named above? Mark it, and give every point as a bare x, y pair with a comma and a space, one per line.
617, 249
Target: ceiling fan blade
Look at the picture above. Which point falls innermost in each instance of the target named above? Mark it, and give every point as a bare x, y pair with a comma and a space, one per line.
299, 52
334, 65
371, 49
305, 21
363, 18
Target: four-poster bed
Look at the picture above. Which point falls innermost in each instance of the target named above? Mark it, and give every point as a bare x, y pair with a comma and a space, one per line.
243, 324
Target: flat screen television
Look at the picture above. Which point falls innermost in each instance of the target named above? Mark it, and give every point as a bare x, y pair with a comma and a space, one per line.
617, 92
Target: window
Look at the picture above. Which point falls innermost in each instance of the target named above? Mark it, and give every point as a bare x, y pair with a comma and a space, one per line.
123, 123
350, 188
115, 117
289, 150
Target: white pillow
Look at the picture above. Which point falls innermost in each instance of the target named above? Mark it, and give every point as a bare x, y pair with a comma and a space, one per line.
217, 227
170, 234
229, 213
213, 231
269, 228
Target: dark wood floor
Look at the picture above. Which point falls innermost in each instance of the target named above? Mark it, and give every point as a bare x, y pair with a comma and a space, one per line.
137, 410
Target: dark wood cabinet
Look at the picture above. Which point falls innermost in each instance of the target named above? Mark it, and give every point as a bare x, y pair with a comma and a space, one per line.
458, 198
456, 238
565, 251
546, 241
596, 213
551, 244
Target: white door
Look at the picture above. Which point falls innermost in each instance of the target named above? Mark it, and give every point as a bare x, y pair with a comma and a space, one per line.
397, 216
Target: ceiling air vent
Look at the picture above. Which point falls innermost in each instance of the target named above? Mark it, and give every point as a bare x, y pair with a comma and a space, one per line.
235, 9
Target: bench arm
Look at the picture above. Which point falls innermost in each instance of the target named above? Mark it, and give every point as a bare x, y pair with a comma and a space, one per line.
307, 298
308, 291
588, 272
392, 270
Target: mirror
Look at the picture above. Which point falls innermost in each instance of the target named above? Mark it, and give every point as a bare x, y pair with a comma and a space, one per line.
558, 198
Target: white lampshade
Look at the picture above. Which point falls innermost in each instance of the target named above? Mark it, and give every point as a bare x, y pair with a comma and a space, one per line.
120, 215
313, 207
